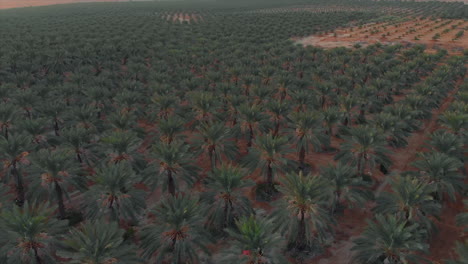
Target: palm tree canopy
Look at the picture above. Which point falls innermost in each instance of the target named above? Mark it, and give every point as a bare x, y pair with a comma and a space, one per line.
97, 242
390, 240
176, 235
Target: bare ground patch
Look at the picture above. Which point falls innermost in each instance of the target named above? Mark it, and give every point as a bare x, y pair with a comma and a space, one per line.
441, 33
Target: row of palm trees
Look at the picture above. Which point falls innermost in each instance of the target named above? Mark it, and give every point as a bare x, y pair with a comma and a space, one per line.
169, 146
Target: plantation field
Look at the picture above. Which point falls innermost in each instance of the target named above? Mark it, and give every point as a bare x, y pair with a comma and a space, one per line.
448, 34
259, 132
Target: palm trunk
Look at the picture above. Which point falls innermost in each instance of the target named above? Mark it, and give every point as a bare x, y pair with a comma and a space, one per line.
270, 174
36, 256
212, 156
170, 183
301, 233
78, 156
5, 130
302, 158
251, 135
61, 205
56, 127
19, 185
277, 126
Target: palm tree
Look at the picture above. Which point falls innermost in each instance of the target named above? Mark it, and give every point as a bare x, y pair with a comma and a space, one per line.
278, 111
173, 161
226, 196
35, 128
442, 171
307, 132
364, 147
121, 146
410, 200
268, 154
461, 247
56, 171
176, 234
29, 234
252, 119
392, 127
302, 214
4, 196
113, 194
78, 138
455, 121
448, 143
97, 242
215, 140
346, 186
331, 116
171, 129
7, 115
255, 242
13, 153
389, 239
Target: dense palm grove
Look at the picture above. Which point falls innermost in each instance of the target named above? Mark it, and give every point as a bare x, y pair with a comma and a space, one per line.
130, 138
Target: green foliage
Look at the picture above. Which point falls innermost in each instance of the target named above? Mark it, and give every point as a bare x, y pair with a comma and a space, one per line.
29, 233
390, 240
410, 200
254, 242
226, 196
364, 148
97, 242
113, 194
302, 213
176, 234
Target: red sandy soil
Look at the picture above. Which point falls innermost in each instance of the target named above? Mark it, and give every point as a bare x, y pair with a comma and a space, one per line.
398, 33
5, 4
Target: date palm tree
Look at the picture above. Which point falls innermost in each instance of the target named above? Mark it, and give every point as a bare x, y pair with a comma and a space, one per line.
7, 115
29, 234
410, 200
97, 242
448, 143
255, 242
226, 196
302, 214
171, 129
252, 120
176, 235
307, 133
79, 139
215, 139
364, 147
113, 194
269, 155
389, 239
56, 171
442, 171
13, 154
174, 161
346, 187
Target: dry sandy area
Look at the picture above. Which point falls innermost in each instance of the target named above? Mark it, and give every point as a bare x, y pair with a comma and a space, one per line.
419, 31
4, 4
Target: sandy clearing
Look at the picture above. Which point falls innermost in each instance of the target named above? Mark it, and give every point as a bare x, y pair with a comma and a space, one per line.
409, 32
